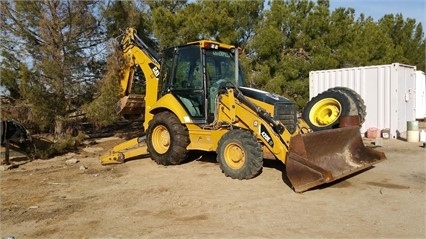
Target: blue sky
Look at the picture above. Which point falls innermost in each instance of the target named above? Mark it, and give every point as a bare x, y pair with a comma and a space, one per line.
378, 8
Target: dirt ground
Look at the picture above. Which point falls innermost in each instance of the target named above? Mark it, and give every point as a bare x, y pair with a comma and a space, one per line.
62, 198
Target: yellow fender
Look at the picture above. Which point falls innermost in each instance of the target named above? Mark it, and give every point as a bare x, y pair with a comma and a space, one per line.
170, 102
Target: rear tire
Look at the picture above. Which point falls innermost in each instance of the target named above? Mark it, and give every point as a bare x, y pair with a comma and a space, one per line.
239, 155
323, 111
357, 100
167, 139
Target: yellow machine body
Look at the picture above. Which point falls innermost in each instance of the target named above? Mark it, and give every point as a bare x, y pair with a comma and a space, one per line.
241, 124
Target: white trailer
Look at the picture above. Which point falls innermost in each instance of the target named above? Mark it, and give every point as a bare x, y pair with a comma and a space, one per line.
389, 93
420, 95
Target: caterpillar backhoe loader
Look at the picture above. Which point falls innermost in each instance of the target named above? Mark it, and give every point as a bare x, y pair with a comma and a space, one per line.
196, 100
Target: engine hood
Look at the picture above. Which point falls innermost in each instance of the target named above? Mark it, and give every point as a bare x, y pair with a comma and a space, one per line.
264, 96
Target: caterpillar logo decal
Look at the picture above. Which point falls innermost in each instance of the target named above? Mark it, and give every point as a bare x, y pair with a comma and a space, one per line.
154, 69
266, 136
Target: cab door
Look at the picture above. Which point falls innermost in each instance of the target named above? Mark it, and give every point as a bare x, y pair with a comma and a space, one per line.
182, 76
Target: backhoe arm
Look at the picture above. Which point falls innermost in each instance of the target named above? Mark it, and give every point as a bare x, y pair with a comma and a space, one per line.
138, 54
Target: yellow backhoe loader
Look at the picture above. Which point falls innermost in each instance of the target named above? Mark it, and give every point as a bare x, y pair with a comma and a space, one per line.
196, 100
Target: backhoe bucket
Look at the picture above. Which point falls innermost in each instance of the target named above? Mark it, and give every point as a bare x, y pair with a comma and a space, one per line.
133, 104
325, 156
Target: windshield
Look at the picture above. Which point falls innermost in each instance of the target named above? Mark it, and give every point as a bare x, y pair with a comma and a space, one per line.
221, 68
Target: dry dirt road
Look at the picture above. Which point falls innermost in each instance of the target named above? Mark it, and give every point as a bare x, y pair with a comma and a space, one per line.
140, 199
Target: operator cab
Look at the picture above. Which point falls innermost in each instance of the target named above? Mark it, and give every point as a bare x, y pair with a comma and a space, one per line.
193, 74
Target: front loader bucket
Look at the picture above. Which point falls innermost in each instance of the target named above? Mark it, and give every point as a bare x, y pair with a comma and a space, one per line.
325, 156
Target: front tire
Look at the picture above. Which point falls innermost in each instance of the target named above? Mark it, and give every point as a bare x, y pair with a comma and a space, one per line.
239, 155
167, 139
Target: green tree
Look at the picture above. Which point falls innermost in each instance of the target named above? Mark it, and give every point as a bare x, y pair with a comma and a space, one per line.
120, 15
59, 40
338, 37
10, 71
407, 39
230, 22
296, 37
369, 46
100, 111
166, 22
287, 43
179, 22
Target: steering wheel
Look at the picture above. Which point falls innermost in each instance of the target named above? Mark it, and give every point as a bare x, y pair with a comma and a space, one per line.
218, 83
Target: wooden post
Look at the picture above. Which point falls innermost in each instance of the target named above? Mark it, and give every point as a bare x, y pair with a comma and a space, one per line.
6, 153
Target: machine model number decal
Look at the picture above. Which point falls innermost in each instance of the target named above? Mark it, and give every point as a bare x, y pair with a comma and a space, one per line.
155, 70
266, 136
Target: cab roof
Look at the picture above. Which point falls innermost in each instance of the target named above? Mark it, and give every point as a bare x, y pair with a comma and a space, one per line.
210, 44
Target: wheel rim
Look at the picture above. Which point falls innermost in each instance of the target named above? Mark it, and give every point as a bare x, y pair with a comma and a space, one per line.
234, 156
325, 112
161, 139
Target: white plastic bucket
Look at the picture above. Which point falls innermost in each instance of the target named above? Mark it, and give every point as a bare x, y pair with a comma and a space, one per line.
413, 136
423, 136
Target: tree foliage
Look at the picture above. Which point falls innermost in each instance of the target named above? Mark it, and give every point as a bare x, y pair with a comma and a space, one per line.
57, 41
178, 22
101, 110
120, 15
296, 37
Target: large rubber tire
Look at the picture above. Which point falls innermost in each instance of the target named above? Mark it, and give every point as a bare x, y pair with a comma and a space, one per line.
167, 139
239, 155
357, 99
323, 111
